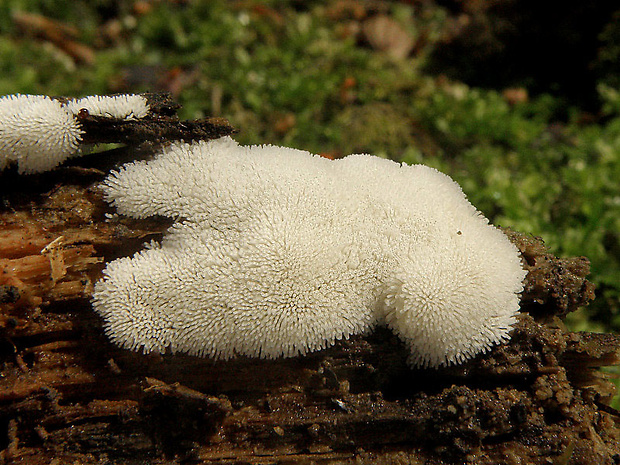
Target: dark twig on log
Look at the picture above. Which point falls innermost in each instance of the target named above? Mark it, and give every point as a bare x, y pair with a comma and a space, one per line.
160, 125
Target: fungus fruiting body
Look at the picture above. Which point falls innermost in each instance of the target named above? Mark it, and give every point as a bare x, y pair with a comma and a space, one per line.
277, 252
38, 132
125, 106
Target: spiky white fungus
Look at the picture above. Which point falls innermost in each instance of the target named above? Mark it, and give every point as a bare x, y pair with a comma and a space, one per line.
37, 132
277, 252
125, 106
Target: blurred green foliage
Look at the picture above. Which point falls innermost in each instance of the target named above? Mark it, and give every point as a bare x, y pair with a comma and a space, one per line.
302, 74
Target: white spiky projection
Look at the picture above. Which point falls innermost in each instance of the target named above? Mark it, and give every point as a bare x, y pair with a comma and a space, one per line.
38, 132
125, 106
278, 252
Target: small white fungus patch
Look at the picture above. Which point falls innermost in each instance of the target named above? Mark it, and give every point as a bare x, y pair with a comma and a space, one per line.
36, 132
277, 252
125, 106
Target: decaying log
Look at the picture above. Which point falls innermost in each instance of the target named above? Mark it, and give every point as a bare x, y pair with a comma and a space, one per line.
67, 395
